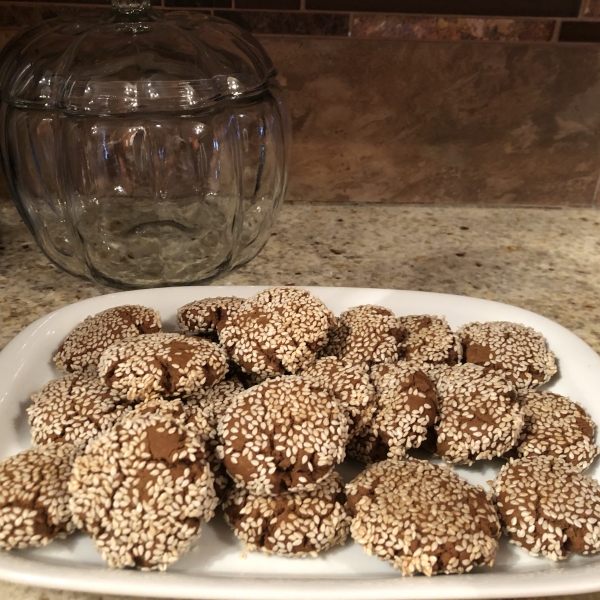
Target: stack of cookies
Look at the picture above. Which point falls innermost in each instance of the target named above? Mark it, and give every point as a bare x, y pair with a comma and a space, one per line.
257, 401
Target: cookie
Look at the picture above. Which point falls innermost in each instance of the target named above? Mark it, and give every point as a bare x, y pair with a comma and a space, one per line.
212, 403
518, 351
422, 518
367, 446
479, 414
557, 426
366, 335
81, 349
350, 386
74, 410
406, 406
206, 317
34, 497
292, 524
169, 364
547, 508
277, 331
285, 434
428, 341
142, 491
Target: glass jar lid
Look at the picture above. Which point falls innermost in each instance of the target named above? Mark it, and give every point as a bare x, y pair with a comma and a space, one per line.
132, 60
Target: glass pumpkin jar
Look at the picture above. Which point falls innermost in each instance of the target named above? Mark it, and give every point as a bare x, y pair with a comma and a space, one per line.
142, 149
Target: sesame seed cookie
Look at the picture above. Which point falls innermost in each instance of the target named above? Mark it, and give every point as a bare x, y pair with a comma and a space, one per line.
557, 426
34, 499
428, 340
546, 507
349, 384
406, 406
518, 351
212, 403
171, 364
422, 518
74, 409
81, 349
292, 524
142, 491
285, 434
277, 331
367, 335
199, 418
367, 447
206, 317
479, 414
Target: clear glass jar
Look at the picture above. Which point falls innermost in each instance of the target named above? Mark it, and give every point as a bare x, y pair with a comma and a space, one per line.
143, 150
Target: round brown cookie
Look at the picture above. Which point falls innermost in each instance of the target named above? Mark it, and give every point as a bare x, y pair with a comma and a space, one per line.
81, 349
212, 403
34, 500
367, 446
277, 331
422, 518
285, 434
74, 409
171, 364
428, 340
350, 386
518, 351
406, 406
557, 426
200, 419
207, 316
546, 507
142, 491
365, 334
291, 524
479, 414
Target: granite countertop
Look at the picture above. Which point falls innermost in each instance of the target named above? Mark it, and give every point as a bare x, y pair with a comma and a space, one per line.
544, 260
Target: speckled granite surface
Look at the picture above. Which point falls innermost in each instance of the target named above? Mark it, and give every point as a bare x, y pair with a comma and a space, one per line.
547, 261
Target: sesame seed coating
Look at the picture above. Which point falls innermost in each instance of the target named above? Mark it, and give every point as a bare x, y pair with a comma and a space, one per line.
406, 406
365, 334
422, 518
285, 434
277, 331
171, 364
557, 426
546, 507
367, 446
428, 340
207, 316
292, 524
349, 384
211, 404
142, 490
74, 409
34, 500
518, 351
81, 349
479, 415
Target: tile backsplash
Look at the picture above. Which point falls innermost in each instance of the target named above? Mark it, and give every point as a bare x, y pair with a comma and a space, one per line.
422, 101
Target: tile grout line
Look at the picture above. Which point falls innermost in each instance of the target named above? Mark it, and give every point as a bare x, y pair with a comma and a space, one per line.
556, 32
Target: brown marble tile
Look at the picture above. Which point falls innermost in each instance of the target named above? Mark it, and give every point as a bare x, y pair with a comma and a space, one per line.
294, 23
495, 8
448, 123
269, 4
579, 31
452, 28
591, 8
20, 15
199, 3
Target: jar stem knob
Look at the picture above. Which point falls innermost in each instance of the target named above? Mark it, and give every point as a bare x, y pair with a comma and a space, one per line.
130, 6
